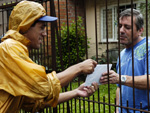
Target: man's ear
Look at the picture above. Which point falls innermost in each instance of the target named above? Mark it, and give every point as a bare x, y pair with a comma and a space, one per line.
141, 31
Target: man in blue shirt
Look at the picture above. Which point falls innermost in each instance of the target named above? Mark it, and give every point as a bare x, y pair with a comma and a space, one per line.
130, 37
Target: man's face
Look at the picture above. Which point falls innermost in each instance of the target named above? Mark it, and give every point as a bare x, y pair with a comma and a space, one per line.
125, 25
36, 34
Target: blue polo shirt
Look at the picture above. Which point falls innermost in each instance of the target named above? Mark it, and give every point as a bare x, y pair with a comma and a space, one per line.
140, 68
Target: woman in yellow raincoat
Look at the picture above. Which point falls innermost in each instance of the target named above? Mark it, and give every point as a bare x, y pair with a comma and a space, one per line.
23, 83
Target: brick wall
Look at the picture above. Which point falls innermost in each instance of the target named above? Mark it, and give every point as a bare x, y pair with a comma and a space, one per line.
62, 12
74, 8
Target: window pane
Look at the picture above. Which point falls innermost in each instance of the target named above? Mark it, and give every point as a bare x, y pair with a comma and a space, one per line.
109, 22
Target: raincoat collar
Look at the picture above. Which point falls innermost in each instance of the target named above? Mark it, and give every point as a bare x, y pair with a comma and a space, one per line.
16, 36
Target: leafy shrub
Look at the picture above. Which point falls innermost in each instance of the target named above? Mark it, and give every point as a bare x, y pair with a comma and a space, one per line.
73, 44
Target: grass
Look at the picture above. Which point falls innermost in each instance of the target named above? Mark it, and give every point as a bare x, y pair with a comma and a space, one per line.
97, 103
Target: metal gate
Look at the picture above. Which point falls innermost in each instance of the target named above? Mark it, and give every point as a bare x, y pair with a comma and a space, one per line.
93, 21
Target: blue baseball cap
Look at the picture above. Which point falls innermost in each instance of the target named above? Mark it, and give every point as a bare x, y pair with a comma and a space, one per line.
47, 18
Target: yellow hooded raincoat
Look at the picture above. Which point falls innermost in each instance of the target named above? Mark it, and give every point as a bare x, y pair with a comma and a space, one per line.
23, 83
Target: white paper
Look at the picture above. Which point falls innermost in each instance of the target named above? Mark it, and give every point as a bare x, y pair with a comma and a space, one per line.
95, 76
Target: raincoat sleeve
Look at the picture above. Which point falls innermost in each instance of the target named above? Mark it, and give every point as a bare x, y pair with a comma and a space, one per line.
20, 76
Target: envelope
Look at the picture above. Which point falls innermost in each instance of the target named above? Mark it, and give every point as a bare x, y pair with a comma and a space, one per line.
95, 76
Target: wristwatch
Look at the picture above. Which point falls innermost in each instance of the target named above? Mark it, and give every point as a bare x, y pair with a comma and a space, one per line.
123, 79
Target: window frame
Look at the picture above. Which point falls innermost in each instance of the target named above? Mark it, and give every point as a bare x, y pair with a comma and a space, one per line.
113, 39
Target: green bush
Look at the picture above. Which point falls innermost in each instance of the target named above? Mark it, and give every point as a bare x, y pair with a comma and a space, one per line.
73, 44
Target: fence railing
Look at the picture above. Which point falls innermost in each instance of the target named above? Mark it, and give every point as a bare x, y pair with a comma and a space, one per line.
99, 20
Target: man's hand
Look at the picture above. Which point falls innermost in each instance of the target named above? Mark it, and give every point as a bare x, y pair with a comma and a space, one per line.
82, 91
86, 91
88, 66
70, 73
113, 78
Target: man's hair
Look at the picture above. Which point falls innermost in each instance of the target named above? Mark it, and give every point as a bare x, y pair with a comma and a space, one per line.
34, 23
137, 14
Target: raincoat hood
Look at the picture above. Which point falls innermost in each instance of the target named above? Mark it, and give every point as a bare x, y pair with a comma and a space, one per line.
24, 15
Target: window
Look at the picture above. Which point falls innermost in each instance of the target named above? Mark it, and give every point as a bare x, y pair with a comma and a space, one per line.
111, 22
112, 29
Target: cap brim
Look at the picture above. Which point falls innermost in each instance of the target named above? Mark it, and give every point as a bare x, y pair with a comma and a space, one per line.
47, 18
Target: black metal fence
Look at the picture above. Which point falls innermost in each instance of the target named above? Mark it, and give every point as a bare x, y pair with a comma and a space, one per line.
51, 54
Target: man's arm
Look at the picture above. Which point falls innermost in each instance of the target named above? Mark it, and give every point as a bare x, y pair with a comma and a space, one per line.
70, 73
82, 91
140, 82
117, 98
